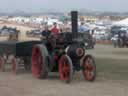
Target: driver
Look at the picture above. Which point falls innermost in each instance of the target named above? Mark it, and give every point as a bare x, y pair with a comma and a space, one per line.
48, 39
54, 29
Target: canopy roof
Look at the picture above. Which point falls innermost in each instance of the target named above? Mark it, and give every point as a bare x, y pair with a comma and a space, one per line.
123, 22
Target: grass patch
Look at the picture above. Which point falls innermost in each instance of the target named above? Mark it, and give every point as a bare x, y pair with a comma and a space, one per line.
121, 53
112, 69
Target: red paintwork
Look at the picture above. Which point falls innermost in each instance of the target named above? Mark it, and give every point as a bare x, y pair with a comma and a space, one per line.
14, 65
88, 69
64, 68
1, 63
37, 61
56, 58
79, 51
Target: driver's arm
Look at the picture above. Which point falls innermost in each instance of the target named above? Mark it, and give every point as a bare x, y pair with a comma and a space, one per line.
43, 35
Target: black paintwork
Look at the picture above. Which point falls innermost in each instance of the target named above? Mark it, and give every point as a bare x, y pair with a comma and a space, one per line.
17, 48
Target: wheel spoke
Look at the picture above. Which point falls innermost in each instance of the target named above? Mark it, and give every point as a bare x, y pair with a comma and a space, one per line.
89, 65
91, 68
66, 69
90, 75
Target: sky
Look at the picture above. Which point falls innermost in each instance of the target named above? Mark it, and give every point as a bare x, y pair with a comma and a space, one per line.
63, 5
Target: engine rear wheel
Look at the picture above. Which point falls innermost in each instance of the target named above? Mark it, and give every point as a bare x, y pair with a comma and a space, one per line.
89, 68
38, 62
65, 69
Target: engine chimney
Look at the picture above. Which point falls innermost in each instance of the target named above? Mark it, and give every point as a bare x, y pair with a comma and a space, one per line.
74, 20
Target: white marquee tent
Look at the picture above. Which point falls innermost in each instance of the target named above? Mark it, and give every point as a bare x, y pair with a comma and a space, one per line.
123, 22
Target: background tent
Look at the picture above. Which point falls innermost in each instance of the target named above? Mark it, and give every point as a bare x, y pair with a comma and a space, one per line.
121, 23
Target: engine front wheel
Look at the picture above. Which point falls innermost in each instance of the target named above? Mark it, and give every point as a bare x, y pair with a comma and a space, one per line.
65, 69
89, 68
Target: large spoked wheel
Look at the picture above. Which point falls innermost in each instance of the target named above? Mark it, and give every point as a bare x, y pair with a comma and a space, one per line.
38, 66
1, 63
89, 68
65, 69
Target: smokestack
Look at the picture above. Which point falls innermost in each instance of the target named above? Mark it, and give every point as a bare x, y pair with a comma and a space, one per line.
74, 20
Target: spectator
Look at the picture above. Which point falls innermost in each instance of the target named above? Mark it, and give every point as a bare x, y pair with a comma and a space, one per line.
83, 28
55, 30
127, 34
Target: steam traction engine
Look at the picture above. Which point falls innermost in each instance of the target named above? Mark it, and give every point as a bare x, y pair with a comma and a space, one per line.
63, 53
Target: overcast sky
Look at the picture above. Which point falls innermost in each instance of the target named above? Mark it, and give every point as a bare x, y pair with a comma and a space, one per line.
40, 5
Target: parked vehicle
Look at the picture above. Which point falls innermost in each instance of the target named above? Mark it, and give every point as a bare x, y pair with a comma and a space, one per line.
6, 31
119, 36
34, 33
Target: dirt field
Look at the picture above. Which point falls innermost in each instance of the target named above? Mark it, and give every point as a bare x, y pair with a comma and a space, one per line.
112, 78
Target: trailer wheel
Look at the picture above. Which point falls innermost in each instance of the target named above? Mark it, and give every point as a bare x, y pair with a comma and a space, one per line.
65, 69
38, 61
14, 65
2, 62
89, 68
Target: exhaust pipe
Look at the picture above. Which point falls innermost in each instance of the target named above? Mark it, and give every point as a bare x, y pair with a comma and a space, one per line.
74, 20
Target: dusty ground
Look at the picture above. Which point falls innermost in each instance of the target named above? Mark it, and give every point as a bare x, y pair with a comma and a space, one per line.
112, 79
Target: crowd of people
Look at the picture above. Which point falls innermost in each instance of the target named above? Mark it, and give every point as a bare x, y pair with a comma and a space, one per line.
120, 39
